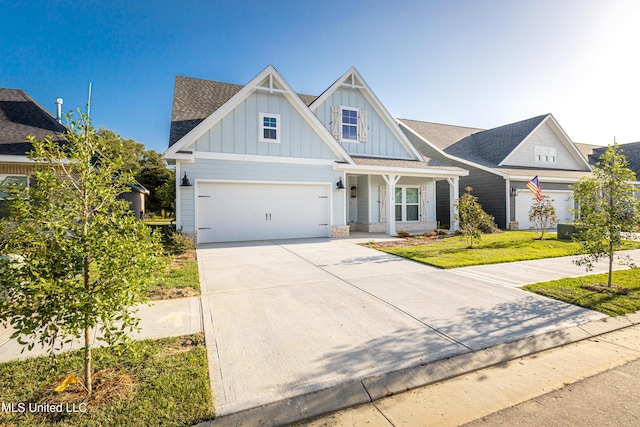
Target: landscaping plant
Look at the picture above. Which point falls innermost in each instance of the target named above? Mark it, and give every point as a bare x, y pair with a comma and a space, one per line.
74, 257
607, 209
471, 217
543, 215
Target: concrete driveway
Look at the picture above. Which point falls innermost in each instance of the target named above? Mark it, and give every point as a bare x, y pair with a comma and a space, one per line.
288, 318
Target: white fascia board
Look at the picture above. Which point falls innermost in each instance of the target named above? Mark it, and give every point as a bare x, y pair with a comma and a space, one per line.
544, 179
373, 100
262, 159
449, 156
7, 158
524, 140
180, 156
380, 170
235, 100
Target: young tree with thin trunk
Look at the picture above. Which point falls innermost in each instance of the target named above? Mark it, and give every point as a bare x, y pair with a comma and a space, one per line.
607, 209
472, 218
74, 257
543, 215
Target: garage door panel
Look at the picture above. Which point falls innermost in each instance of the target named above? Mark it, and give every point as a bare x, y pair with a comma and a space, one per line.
237, 211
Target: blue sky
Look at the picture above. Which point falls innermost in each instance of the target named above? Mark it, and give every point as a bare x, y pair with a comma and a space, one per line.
479, 63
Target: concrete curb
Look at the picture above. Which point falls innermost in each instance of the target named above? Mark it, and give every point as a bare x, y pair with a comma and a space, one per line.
366, 390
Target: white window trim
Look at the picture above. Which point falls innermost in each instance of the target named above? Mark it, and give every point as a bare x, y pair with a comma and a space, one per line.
356, 125
404, 203
545, 155
261, 128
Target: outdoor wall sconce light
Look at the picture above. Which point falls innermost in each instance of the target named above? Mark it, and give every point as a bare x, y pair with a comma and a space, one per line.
185, 181
353, 191
514, 191
339, 184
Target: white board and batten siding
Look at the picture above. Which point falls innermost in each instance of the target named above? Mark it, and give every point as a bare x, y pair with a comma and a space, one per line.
238, 131
380, 141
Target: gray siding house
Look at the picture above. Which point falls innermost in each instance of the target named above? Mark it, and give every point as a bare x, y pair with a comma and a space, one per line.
501, 161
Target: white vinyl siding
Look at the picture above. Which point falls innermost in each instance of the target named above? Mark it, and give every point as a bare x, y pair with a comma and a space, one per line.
375, 139
239, 131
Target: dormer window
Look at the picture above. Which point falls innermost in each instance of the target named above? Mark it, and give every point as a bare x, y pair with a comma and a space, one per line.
349, 124
269, 127
545, 154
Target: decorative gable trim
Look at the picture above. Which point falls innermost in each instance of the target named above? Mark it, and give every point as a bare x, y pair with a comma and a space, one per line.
268, 80
569, 145
353, 80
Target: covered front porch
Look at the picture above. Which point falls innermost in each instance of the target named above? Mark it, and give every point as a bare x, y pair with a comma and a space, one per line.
392, 196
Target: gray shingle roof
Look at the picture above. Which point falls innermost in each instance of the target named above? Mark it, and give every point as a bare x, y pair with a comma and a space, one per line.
21, 116
631, 150
485, 147
196, 99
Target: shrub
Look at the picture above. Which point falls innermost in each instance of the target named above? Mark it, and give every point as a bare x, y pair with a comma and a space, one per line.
403, 234
181, 241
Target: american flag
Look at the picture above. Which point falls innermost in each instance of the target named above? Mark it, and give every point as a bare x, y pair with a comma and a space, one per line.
534, 187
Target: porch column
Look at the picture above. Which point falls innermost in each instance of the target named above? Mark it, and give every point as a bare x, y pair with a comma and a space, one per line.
391, 181
453, 196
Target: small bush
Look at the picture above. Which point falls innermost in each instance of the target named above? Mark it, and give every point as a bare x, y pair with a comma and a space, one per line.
430, 234
403, 234
181, 241
442, 232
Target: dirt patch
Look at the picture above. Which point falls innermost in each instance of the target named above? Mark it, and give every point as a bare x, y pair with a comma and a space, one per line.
160, 293
408, 241
602, 288
108, 385
183, 345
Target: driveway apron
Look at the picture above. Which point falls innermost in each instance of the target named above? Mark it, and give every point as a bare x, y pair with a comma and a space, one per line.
287, 318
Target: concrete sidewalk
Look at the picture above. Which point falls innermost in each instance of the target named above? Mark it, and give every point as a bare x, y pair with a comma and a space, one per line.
295, 329
159, 319
477, 394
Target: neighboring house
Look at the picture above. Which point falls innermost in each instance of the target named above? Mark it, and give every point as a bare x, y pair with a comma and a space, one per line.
631, 150
501, 161
259, 162
21, 116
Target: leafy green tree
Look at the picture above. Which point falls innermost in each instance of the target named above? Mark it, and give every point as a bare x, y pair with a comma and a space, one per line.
156, 177
607, 209
543, 215
471, 217
74, 258
129, 150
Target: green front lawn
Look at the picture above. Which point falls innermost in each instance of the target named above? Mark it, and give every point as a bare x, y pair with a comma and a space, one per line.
161, 383
507, 246
179, 280
581, 291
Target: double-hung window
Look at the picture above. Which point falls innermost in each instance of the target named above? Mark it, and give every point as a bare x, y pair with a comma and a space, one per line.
349, 124
269, 127
407, 203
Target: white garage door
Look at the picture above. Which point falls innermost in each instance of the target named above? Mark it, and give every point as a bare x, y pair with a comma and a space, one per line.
229, 212
562, 203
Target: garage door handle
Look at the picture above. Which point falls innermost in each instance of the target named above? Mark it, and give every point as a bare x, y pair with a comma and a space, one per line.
204, 228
